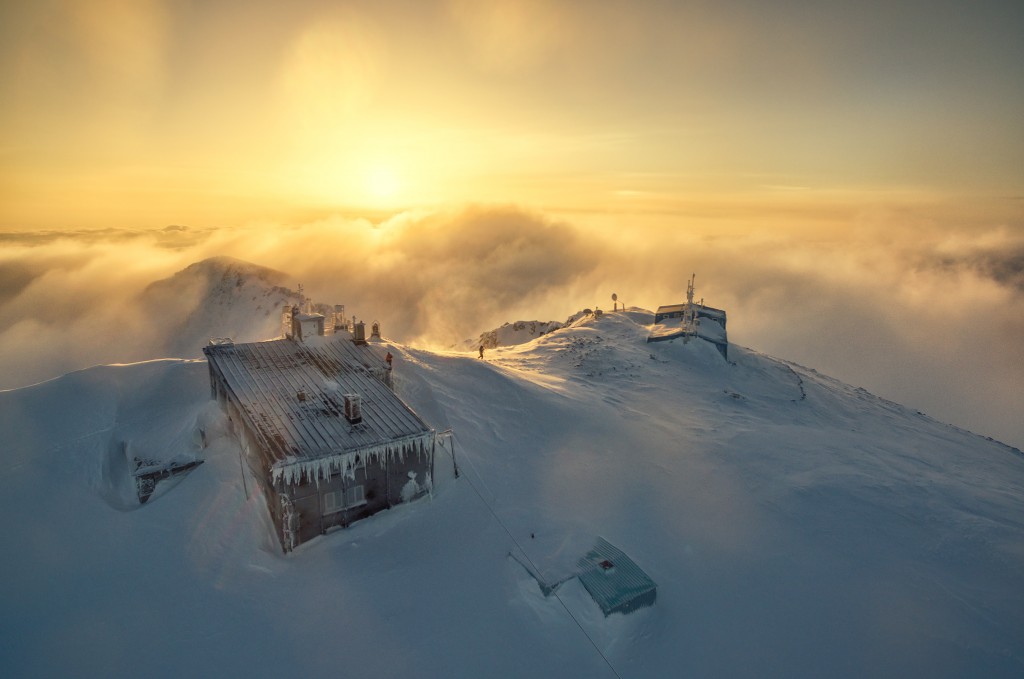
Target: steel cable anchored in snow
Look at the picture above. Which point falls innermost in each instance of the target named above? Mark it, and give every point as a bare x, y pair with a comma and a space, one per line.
472, 467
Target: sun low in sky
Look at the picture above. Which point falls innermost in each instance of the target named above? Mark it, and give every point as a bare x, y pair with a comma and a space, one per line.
846, 178
141, 113
383, 184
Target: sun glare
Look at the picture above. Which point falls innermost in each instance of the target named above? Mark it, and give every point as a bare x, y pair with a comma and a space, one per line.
383, 185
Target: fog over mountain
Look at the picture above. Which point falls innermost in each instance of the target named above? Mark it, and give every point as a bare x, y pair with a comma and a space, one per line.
222, 296
917, 309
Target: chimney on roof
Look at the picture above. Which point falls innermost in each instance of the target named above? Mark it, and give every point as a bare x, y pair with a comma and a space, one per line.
353, 408
305, 326
359, 333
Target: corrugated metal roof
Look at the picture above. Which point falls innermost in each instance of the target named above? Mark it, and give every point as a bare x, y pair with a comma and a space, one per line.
614, 580
292, 394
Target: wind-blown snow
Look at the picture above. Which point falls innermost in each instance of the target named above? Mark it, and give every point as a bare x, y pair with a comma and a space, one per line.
795, 526
509, 334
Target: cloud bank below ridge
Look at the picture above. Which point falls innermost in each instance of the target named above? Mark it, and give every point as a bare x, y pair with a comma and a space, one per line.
924, 313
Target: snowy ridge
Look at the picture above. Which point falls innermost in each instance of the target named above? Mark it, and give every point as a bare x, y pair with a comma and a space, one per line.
511, 334
795, 526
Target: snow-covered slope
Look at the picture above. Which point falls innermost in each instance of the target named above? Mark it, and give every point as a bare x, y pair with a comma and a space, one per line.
217, 297
796, 527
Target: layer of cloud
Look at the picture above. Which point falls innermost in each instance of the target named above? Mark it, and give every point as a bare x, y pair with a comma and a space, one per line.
924, 313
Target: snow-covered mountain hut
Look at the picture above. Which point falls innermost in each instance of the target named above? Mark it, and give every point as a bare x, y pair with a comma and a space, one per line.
323, 433
615, 581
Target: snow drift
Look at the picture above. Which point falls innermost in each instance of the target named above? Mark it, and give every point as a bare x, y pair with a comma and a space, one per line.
796, 526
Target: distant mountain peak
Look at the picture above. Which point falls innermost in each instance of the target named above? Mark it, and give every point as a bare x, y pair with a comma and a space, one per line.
227, 267
217, 297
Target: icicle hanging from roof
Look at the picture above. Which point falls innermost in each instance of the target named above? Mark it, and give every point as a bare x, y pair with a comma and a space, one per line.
293, 470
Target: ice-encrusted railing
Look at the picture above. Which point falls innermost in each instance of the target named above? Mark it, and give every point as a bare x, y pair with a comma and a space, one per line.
293, 470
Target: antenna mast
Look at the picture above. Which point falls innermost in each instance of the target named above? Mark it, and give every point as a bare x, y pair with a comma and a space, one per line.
691, 313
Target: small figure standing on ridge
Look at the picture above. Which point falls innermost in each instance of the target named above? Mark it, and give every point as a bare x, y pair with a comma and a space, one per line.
481, 351
389, 358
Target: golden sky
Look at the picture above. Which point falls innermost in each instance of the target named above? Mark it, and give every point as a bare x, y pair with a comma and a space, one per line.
845, 178
142, 113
